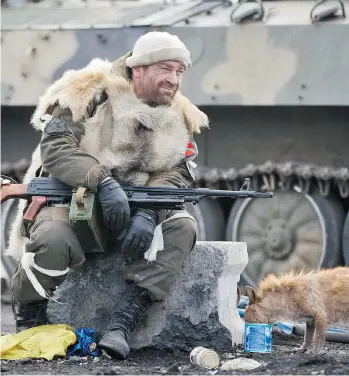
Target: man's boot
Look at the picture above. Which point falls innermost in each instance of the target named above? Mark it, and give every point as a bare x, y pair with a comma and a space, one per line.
132, 305
30, 315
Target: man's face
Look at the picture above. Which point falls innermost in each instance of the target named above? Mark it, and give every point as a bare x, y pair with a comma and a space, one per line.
158, 82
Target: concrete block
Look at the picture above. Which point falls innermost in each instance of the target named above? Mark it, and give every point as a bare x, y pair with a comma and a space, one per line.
199, 311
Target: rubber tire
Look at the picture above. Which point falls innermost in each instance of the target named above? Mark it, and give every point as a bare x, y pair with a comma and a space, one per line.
345, 240
210, 219
8, 212
333, 214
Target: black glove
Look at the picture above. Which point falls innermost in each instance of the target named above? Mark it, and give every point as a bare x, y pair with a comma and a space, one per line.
114, 203
137, 239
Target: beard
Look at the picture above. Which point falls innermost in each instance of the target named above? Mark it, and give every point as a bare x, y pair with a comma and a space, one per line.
160, 93
165, 94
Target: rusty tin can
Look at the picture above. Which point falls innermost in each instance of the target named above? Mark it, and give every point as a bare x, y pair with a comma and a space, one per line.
204, 358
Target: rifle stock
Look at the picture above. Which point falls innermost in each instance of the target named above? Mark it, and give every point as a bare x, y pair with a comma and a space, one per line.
9, 191
20, 191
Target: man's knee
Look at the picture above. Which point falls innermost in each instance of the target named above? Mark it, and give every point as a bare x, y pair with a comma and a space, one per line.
182, 231
179, 239
157, 277
56, 245
188, 226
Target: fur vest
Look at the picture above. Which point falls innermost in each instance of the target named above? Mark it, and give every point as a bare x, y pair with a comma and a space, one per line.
126, 134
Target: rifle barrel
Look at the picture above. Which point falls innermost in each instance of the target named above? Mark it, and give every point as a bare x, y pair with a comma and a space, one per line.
199, 192
221, 193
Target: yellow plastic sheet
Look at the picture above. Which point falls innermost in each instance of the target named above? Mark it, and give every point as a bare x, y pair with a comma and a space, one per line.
43, 341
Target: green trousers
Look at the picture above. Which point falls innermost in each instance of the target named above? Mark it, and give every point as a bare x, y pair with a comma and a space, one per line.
56, 247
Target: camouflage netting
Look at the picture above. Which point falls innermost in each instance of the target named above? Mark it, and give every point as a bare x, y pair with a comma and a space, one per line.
269, 176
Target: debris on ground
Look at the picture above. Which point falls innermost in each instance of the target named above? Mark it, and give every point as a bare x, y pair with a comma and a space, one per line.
281, 361
151, 361
239, 364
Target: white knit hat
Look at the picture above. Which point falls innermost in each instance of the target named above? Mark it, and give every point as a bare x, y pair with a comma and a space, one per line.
157, 46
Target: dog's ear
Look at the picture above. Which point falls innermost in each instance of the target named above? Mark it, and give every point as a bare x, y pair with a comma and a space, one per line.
251, 293
238, 295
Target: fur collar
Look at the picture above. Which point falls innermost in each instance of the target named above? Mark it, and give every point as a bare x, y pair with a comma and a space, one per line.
77, 88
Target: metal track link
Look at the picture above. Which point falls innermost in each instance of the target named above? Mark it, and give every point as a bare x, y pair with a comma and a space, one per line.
271, 175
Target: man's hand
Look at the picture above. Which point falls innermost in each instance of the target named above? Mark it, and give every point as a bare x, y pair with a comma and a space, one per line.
137, 239
114, 203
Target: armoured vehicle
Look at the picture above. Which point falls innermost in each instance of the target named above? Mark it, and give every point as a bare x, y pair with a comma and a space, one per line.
272, 77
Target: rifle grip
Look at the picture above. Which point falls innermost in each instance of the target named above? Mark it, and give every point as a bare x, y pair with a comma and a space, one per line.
37, 203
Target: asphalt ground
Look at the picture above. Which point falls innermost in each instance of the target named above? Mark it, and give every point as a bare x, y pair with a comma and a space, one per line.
281, 360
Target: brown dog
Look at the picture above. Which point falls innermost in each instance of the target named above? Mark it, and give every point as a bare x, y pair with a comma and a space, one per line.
316, 298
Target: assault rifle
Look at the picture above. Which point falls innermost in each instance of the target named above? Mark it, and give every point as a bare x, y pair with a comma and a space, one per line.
84, 208
49, 190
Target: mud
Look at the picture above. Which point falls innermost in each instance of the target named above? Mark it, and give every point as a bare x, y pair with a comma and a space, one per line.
281, 361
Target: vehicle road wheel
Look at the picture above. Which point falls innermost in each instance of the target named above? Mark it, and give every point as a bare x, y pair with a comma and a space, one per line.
291, 231
210, 219
8, 264
346, 240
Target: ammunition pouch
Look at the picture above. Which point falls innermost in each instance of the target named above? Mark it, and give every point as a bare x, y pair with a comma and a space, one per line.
85, 217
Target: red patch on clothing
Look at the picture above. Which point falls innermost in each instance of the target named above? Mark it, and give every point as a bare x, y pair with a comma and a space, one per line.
191, 150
